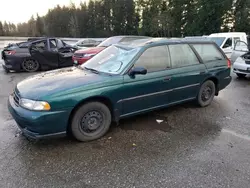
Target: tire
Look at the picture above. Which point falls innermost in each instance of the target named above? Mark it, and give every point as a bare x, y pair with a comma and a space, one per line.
241, 75
91, 121
30, 65
206, 93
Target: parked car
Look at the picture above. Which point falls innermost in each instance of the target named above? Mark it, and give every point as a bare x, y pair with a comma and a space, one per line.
228, 40
86, 43
225, 41
240, 48
42, 54
81, 56
241, 58
119, 82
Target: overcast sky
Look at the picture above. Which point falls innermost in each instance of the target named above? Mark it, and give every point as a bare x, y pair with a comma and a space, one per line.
17, 11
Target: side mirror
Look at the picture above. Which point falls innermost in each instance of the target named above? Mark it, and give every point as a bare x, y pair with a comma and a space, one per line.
137, 70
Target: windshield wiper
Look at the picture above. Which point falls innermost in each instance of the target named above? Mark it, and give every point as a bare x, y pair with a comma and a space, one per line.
92, 70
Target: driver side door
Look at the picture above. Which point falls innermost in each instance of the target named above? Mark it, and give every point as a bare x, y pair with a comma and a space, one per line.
228, 47
145, 92
45, 52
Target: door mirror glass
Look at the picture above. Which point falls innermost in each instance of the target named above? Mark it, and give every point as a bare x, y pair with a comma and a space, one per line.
241, 46
138, 70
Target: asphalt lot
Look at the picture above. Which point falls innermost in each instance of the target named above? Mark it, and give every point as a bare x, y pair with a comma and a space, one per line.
192, 147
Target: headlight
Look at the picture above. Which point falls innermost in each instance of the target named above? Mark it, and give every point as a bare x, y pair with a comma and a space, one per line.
34, 105
88, 55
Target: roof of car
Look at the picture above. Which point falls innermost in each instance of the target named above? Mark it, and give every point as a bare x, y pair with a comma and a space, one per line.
143, 42
123, 36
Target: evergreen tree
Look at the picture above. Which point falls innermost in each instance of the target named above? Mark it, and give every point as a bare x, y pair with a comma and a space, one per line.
158, 18
1, 29
39, 26
6, 29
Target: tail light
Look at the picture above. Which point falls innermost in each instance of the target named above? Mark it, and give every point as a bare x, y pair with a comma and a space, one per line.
10, 52
228, 63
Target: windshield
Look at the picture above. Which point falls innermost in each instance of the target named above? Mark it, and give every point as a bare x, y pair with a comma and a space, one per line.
112, 60
217, 40
110, 41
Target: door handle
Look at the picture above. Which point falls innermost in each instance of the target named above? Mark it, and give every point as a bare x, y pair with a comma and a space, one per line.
202, 72
168, 78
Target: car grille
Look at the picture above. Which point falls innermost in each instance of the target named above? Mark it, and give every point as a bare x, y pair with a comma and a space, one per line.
247, 62
78, 55
16, 98
245, 71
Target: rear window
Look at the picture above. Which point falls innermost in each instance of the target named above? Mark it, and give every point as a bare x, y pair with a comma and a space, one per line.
208, 52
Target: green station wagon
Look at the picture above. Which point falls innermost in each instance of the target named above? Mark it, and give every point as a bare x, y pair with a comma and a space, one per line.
119, 82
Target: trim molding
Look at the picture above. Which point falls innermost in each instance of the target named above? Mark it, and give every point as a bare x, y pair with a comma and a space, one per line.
157, 93
152, 108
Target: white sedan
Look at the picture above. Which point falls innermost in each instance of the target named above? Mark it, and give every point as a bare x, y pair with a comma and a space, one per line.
242, 66
241, 59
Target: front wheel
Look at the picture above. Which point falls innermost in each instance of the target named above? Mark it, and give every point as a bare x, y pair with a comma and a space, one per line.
91, 121
30, 65
206, 93
241, 75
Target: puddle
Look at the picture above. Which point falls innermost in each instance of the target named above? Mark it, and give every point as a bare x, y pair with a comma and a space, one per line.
146, 122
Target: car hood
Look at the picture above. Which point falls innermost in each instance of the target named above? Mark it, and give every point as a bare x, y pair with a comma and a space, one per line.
93, 50
48, 83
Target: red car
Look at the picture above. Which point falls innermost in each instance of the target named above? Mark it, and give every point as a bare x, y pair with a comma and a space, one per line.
83, 55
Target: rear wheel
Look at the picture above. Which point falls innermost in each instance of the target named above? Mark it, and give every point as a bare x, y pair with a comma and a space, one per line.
206, 93
91, 121
30, 65
241, 75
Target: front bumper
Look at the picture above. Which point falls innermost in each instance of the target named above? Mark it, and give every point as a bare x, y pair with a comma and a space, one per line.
241, 68
37, 125
80, 61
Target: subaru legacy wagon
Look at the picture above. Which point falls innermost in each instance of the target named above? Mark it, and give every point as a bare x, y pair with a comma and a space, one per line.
119, 82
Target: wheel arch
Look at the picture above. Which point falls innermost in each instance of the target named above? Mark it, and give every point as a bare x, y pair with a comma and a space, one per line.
102, 99
216, 83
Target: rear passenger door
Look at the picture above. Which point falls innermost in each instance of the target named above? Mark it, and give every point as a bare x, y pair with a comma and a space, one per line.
187, 73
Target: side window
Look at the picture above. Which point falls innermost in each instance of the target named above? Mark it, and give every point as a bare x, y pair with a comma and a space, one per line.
60, 44
241, 46
154, 59
40, 44
208, 52
228, 43
52, 43
182, 55
236, 39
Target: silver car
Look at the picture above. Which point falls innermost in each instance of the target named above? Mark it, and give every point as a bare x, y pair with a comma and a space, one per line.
241, 59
